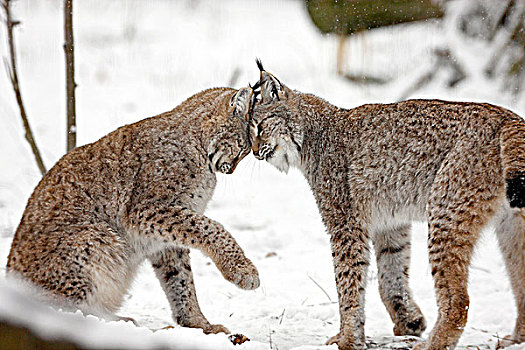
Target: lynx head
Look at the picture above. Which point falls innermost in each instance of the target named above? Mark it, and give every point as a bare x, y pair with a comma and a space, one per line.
275, 132
230, 144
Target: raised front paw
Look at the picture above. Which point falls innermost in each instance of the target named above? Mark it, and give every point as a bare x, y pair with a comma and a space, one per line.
243, 275
246, 277
344, 342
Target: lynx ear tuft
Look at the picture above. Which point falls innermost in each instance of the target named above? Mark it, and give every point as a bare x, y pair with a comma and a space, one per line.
271, 88
259, 64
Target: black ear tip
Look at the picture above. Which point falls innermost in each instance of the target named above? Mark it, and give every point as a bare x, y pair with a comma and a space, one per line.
257, 85
259, 64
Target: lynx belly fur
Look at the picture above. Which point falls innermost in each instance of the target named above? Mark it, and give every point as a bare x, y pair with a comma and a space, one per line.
138, 193
376, 168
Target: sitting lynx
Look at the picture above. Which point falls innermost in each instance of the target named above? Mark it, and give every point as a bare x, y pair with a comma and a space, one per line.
138, 193
376, 168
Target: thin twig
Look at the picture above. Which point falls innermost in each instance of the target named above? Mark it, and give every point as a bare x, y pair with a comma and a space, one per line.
13, 77
507, 338
69, 50
480, 330
318, 285
270, 334
281, 317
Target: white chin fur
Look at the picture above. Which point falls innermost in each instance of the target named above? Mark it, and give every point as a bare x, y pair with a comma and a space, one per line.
284, 157
280, 162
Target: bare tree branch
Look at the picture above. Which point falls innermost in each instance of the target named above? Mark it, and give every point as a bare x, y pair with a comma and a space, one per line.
69, 50
13, 76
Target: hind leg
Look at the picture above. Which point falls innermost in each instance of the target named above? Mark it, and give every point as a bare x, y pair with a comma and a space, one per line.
173, 270
77, 266
466, 193
392, 249
510, 230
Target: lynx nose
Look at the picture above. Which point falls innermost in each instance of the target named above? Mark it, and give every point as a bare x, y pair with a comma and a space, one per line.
257, 155
255, 150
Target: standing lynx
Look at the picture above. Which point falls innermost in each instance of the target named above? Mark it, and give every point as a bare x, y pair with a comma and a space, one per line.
376, 168
138, 193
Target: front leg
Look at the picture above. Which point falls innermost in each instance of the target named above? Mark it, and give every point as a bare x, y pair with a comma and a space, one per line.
350, 254
173, 269
345, 214
177, 226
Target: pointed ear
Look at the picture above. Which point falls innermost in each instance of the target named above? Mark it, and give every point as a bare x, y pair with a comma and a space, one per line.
271, 88
241, 103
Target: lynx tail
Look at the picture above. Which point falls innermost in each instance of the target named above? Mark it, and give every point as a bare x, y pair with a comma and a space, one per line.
512, 142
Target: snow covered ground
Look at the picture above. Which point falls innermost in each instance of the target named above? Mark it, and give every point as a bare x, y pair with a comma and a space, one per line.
139, 58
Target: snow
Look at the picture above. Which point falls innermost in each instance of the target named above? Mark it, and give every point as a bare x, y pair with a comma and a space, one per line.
19, 307
136, 59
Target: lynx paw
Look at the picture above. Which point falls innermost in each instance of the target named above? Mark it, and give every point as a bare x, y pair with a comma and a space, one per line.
334, 340
415, 325
246, 276
215, 328
199, 321
344, 343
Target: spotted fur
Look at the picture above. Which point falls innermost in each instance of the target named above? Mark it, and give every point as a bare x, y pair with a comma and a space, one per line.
138, 193
376, 168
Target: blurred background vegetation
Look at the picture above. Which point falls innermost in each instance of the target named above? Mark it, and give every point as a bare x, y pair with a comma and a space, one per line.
500, 23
